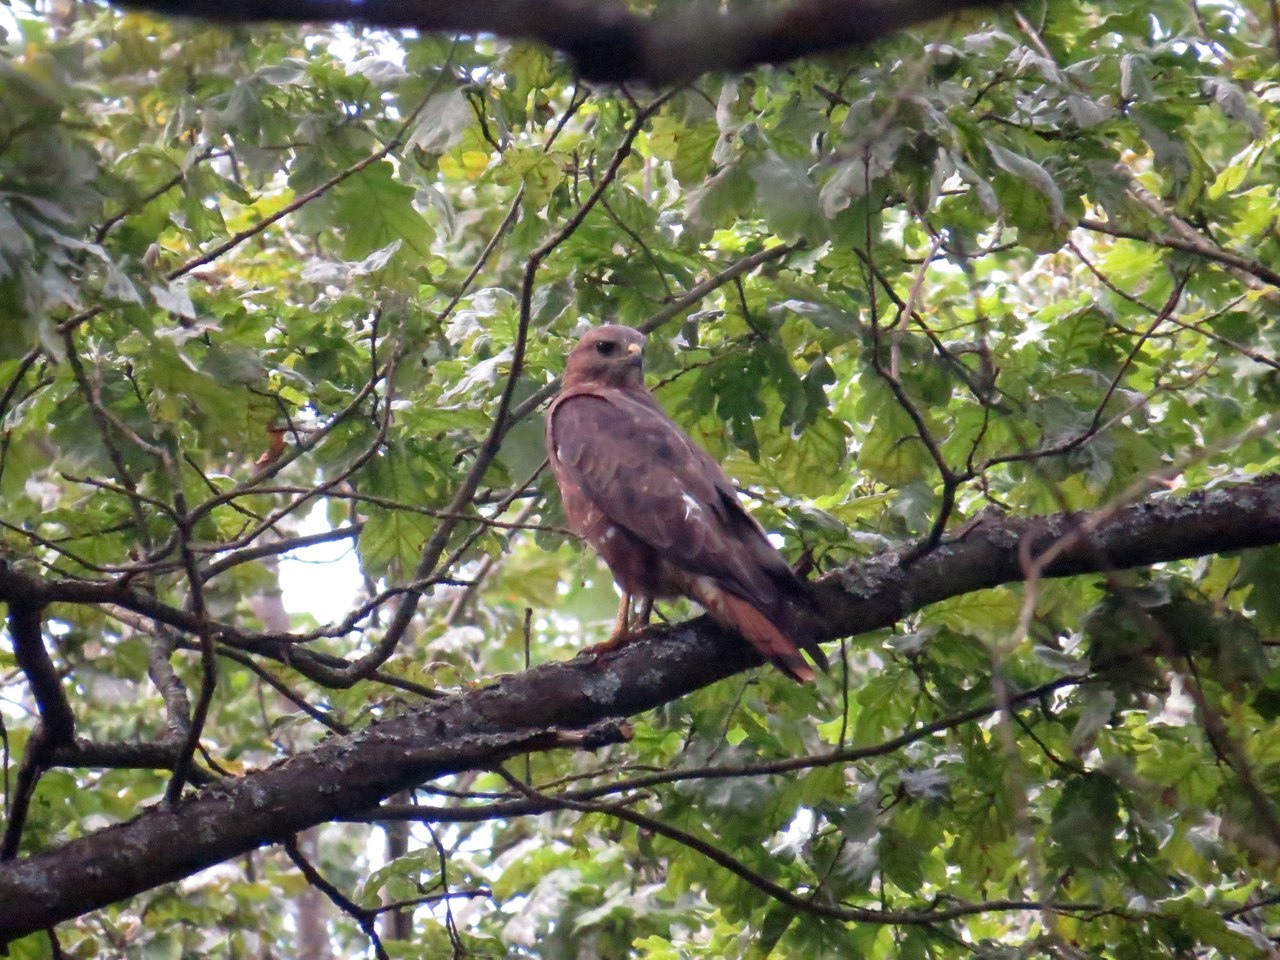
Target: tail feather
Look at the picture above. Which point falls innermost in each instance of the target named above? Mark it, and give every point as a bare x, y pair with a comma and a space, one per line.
766, 636
795, 595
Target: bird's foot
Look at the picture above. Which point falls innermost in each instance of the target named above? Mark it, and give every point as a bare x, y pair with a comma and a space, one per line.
619, 638
625, 627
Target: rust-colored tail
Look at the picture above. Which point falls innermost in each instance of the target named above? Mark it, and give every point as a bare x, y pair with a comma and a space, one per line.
739, 615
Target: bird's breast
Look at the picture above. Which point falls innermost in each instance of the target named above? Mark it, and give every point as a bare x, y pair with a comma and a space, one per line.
636, 566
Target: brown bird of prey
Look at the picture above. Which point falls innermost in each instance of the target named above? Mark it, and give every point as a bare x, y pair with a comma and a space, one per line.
660, 511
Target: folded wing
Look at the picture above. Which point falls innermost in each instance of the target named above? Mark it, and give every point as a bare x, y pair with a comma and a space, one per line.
642, 472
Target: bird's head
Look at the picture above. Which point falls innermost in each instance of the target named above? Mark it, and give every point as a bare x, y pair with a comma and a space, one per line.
610, 355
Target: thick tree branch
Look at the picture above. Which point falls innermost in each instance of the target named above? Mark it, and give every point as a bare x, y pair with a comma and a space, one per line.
577, 704
606, 41
500, 806
25, 622
57, 727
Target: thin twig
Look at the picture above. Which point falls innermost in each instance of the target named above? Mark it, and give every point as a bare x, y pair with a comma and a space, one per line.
365, 918
926, 917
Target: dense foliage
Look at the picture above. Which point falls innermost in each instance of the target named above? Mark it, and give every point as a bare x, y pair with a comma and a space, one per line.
268, 288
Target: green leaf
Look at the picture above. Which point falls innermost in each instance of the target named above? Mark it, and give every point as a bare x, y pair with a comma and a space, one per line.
1085, 820
788, 199
723, 196
1031, 199
441, 122
375, 210
1260, 572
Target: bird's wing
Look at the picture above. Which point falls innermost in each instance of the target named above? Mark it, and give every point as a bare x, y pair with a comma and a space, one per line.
644, 474
620, 455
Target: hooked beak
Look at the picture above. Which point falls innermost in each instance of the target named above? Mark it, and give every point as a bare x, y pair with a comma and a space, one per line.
636, 353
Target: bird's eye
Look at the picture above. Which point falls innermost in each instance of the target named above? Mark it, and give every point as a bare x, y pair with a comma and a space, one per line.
606, 347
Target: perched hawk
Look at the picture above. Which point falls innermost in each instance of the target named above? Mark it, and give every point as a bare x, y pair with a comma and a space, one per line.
660, 511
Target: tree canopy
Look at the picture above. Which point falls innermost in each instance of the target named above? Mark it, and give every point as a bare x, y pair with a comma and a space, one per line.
982, 317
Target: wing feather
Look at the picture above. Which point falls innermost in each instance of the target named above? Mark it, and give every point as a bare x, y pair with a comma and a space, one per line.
647, 476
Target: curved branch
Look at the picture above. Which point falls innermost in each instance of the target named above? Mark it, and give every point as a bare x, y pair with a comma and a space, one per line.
57, 726
576, 704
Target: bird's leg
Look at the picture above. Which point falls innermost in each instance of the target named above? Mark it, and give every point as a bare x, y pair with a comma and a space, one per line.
646, 611
621, 626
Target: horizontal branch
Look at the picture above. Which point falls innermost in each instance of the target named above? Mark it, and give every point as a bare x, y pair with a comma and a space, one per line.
606, 41
1201, 247
577, 704
506, 808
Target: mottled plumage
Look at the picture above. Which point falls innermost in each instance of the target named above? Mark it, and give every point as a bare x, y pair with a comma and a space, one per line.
659, 510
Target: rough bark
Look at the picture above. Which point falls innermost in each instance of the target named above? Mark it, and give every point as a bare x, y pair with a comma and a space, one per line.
580, 704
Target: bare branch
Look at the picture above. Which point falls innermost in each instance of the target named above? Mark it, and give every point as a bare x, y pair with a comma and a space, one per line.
366, 919
505, 808
57, 723
56, 718
1190, 244
204, 633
